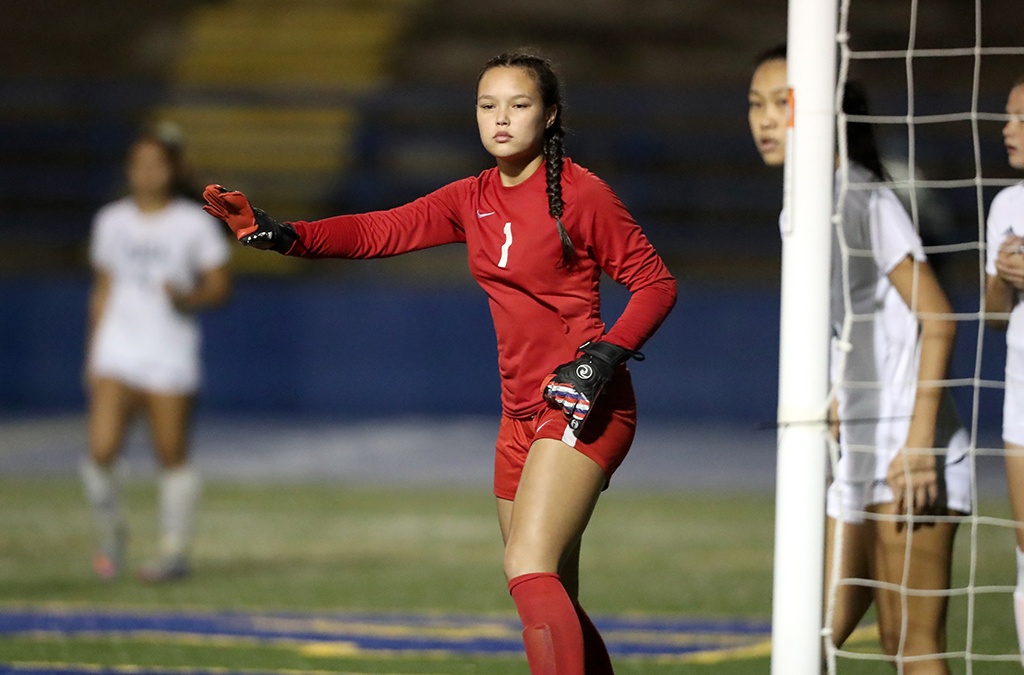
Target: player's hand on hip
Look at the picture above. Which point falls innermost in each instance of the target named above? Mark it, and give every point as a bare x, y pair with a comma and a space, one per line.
575, 386
914, 479
252, 226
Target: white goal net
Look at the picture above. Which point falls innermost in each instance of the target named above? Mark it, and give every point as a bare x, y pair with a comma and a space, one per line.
937, 81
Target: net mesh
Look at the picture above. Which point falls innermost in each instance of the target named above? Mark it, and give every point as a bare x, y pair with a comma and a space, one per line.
940, 140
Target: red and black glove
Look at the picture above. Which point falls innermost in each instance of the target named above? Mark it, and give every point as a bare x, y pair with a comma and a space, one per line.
574, 386
252, 226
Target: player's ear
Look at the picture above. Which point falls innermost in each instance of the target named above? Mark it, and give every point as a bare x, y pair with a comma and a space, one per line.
552, 115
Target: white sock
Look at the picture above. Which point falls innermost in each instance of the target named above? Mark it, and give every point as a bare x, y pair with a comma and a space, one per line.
103, 492
1018, 602
179, 494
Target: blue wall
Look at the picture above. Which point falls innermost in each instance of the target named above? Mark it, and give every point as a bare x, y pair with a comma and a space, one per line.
334, 348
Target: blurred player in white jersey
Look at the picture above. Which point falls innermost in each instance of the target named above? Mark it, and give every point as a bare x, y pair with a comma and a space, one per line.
902, 447
1003, 291
157, 260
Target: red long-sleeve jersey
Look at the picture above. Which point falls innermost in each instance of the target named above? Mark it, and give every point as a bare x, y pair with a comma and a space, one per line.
542, 310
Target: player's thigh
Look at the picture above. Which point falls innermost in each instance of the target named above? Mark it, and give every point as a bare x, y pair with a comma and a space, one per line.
1013, 432
557, 493
170, 421
504, 518
926, 566
1013, 397
1015, 483
112, 406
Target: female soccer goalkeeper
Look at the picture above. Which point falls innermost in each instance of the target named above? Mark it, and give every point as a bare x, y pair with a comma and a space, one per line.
539, 230
903, 449
1005, 271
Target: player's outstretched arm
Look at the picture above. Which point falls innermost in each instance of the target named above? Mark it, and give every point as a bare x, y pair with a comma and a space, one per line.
574, 386
252, 226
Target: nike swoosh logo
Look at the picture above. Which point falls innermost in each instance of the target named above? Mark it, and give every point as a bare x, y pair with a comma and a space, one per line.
543, 424
481, 214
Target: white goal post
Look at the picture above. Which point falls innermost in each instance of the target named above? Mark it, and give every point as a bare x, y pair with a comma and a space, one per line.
802, 455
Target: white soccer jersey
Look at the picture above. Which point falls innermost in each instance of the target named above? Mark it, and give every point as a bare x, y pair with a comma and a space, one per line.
1005, 218
876, 352
141, 338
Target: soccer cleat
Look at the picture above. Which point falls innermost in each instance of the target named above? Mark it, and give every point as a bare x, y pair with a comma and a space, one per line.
108, 558
170, 568
104, 566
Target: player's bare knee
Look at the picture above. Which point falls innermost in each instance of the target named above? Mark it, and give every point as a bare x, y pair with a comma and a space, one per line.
930, 667
171, 453
889, 639
515, 564
172, 461
105, 462
522, 559
912, 644
104, 454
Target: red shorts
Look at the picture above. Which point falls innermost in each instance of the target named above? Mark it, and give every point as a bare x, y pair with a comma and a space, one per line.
606, 438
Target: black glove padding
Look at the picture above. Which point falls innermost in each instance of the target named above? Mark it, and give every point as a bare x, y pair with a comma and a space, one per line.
270, 234
574, 386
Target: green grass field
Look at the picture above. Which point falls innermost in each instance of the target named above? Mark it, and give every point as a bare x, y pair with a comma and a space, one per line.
328, 548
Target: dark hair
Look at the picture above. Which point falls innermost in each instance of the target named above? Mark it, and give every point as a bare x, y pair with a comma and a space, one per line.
169, 138
774, 53
543, 74
860, 136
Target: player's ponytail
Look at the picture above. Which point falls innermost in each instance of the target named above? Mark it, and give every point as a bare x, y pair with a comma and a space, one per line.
543, 74
860, 136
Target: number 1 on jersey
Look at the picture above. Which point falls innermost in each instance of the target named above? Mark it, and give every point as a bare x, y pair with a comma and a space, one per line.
503, 262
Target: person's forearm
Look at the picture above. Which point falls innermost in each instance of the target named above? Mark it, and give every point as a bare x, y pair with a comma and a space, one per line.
937, 337
999, 300
213, 290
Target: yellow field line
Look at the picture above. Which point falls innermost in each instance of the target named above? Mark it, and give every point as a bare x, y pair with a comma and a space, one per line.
490, 628
348, 650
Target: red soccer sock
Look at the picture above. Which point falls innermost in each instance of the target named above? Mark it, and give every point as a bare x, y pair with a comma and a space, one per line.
551, 630
595, 653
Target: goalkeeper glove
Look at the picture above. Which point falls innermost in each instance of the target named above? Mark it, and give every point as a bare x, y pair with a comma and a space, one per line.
574, 386
252, 226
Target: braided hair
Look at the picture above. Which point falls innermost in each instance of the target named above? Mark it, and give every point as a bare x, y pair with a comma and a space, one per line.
544, 76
